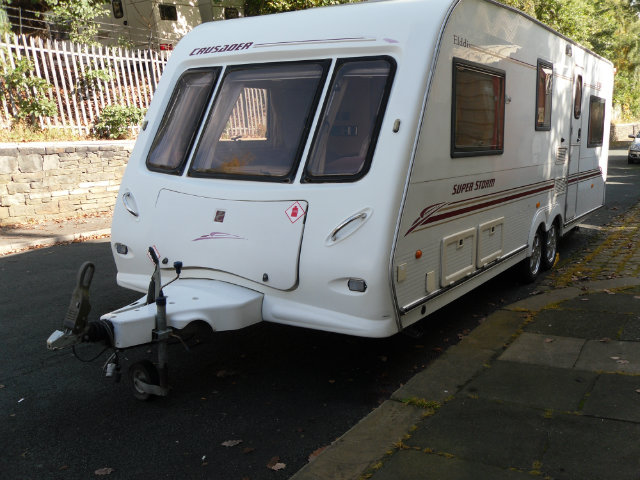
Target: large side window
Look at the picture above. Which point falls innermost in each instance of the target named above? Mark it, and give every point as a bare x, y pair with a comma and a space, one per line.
544, 90
477, 117
259, 123
596, 121
179, 125
350, 121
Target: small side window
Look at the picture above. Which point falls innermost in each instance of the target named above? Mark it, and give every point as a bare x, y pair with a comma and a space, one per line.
168, 12
116, 6
596, 121
544, 91
178, 129
577, 101
350, 122
477, 112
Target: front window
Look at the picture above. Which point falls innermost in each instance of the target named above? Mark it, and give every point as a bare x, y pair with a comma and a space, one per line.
179, 125
477, 117
257, 127
349, 125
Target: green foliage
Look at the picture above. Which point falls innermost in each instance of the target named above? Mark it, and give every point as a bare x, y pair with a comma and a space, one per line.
115, 120
88, 83
264, 7
77, 17
26, 92
611, 28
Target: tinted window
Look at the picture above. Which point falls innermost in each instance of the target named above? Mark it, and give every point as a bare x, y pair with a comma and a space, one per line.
168, 12
544, 90
180, 123
259, 122
477, 118
350, 121
116, 5
577, 101
596, 121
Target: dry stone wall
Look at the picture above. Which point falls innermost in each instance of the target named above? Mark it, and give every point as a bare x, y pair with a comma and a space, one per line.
44, 181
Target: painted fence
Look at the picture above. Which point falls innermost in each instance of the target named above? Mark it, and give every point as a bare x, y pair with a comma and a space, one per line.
83, 78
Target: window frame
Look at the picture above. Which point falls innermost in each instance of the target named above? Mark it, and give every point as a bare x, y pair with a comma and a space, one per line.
304, 134
375, 133
179, 169
460, 152
595, 99
543, 126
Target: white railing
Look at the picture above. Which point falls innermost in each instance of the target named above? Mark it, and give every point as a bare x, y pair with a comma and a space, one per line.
71, 70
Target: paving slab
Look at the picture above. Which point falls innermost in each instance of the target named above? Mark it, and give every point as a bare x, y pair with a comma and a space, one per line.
553, 351
611, 356
615, 397
537, 386
582, 448
604, 302
583, 324
367, 441
492, 433
418, 465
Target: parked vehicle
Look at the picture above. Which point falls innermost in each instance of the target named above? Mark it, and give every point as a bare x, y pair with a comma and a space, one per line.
633, 153
354, 168
160, 24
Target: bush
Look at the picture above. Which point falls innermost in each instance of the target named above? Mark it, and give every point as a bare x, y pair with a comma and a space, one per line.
115, 120
26, 93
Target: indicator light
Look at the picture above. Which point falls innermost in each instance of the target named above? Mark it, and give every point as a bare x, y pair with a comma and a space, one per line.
357, 285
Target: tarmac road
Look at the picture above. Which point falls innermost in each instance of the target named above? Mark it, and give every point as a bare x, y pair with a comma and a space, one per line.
284, 392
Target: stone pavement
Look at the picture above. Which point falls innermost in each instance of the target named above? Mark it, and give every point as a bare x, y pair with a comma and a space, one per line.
548, 387
15, 239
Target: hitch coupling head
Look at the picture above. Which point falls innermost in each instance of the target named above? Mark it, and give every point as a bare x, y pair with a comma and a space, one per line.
95, 332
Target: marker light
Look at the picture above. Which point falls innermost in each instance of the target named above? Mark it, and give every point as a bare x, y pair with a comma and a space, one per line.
418, 253
357, 285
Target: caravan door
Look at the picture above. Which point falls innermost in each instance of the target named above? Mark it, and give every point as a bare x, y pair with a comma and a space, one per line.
575, 143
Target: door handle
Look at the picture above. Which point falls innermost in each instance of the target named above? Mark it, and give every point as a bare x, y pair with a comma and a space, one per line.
579, 134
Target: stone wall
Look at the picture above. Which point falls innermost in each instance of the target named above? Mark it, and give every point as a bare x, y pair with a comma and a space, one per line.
43, 181
620, 133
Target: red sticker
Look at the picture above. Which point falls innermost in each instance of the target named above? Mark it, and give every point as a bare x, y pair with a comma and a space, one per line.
295, 212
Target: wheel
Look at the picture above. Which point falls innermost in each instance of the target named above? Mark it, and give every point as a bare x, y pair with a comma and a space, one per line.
146, 372
550, 248
530, 267
629, 160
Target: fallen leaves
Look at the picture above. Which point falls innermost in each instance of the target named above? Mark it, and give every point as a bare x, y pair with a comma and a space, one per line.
231, 443
316, 453
104, 471
275, 464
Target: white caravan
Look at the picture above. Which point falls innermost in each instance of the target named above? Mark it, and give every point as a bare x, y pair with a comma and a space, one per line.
354, 168
161, 23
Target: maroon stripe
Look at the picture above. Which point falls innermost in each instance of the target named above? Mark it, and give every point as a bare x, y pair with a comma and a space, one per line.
431, 219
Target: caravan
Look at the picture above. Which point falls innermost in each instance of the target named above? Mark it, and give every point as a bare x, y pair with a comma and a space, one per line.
160, 24
351, 169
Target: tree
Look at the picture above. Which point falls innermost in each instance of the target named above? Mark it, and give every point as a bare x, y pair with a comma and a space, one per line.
611, 28
77, 16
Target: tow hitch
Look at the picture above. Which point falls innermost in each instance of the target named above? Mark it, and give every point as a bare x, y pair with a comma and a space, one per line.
148, 380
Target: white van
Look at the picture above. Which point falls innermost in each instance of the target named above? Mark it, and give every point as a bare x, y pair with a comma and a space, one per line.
355, 168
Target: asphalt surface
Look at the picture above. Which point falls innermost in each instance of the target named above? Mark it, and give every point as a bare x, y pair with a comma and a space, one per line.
284, 392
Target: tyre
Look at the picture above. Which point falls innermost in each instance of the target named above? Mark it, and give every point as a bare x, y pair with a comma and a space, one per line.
550, 248
530, 267
146, 372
